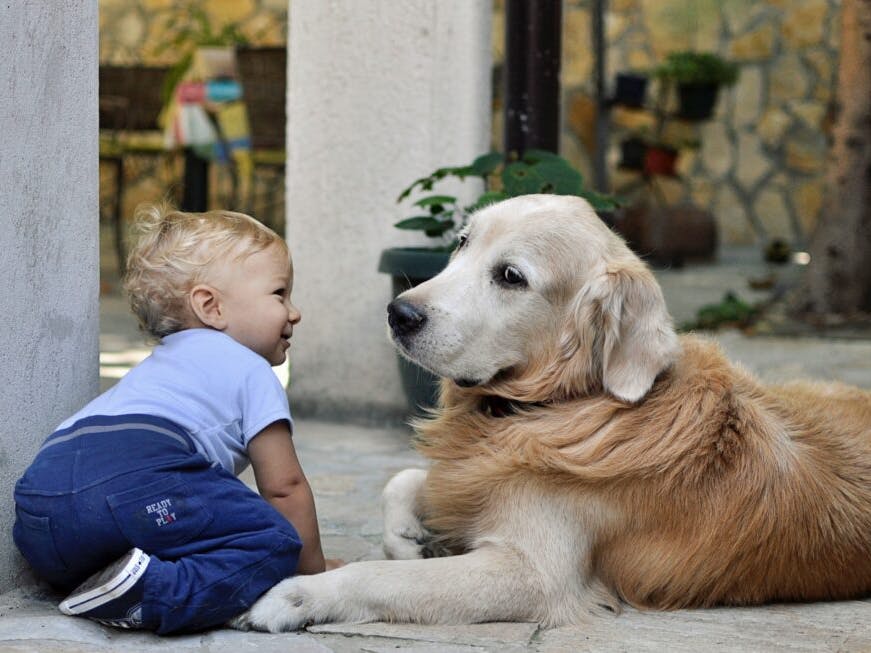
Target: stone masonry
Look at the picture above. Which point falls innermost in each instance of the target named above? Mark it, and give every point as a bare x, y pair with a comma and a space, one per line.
758, 165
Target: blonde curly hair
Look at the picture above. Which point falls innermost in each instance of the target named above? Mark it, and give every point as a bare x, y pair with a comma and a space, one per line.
174, 251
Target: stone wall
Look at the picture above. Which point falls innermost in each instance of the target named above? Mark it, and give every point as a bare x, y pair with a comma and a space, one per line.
760, 161
144, 31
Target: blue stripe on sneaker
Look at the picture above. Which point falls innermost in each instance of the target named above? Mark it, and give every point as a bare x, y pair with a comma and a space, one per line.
108, 591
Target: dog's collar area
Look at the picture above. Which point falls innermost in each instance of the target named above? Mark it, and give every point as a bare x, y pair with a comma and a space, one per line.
472, 383
467, 383
495, 406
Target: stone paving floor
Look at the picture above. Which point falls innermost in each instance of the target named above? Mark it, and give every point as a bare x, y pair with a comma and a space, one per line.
348, 465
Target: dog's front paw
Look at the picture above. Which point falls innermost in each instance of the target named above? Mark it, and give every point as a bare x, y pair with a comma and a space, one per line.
291, 605
406, 540
405, 537
411, 541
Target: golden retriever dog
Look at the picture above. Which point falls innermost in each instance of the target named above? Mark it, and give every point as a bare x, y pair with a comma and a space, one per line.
584, 455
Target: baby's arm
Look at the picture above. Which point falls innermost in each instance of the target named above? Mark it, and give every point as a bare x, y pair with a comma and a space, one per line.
283, 484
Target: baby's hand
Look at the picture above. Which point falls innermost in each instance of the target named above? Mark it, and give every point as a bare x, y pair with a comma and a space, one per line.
333, 563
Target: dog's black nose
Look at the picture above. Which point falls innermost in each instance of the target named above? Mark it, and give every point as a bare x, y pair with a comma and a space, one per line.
404, 317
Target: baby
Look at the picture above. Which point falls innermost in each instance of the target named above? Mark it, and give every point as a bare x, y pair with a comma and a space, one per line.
147, 470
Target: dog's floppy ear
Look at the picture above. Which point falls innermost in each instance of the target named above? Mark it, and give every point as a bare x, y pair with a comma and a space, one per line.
638, 340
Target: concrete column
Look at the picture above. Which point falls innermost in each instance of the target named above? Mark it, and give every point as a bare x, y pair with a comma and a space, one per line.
379, 93
49, 322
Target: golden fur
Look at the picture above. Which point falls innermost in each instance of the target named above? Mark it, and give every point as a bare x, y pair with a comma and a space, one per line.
584, 454
728, 492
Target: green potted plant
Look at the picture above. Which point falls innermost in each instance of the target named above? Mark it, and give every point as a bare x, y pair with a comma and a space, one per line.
698, 76
441, 216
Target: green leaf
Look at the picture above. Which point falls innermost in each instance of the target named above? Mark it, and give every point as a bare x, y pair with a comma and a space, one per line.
732, 310
462, 172
689, 67
551, 176
486, 164
436, 199
539, 171
490, 197
442, 227
519, 178
419, 222
452, 171
423, 182
426, 183
600, 201
534, 156
559, 177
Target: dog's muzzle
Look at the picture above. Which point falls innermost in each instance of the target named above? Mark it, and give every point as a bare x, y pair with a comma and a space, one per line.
404, 318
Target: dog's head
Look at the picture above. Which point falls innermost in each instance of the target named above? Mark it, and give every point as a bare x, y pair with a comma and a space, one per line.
540, 301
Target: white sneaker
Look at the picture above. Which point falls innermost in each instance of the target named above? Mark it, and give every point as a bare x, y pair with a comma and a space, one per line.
112, 596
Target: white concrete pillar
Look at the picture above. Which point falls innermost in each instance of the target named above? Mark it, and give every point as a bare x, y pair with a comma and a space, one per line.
49, 319
379, 93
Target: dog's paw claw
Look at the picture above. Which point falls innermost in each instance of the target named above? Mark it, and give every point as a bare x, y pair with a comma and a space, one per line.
240, 623
286, 607
406, 543
412, 543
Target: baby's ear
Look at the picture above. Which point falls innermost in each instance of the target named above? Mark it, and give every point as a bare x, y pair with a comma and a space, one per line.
206, 306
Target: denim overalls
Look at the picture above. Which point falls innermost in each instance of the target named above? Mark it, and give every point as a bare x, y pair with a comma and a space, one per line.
107, 484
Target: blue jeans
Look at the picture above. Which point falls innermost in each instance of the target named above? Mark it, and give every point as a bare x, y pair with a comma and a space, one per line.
107, 484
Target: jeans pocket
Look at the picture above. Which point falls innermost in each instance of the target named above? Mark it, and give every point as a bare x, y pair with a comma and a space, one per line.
34, 538
160, 515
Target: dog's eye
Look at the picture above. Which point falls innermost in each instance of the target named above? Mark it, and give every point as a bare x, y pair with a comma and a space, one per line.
511, 276
461, 241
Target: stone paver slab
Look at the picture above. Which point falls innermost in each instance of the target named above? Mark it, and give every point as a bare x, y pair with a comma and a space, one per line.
490, 634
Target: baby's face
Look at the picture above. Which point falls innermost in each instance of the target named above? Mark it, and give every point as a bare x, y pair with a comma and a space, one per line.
255, 297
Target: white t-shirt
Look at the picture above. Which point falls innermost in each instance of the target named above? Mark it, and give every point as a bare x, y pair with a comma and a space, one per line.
219, 391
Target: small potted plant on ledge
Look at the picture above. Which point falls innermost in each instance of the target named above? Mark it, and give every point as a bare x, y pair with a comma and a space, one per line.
654, 152
698, 76
442, 216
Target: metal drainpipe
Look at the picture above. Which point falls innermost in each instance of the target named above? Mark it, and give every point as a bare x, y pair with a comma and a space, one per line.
603, 107
533, 37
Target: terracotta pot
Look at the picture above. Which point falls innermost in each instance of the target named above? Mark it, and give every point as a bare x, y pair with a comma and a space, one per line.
660, 160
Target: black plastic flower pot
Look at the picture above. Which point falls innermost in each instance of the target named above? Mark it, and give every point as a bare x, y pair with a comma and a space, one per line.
697, 101
408, 267
630, 90
632, 151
